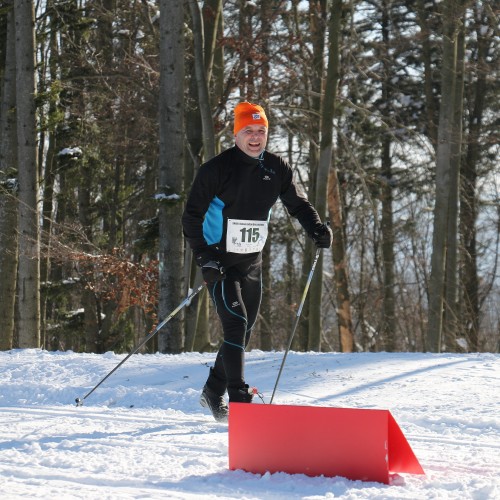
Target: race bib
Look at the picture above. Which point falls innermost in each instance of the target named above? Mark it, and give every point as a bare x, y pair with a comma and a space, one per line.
246, 236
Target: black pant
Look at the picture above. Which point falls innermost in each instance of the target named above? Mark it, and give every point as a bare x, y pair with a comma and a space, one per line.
237, 301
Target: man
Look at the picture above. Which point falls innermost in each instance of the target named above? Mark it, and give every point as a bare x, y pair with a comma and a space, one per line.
226, 223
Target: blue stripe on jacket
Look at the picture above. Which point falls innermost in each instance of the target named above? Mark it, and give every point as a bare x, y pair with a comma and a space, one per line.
213, 223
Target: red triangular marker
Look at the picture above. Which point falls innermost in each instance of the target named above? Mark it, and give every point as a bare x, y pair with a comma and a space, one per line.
401, 456
358, 444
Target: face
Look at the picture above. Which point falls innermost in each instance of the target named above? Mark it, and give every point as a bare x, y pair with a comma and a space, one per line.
252, 139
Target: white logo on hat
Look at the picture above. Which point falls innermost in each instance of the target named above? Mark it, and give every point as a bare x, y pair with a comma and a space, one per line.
256, 116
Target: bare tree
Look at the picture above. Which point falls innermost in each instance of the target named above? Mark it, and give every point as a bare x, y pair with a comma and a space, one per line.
28, 288
204, 30
314, 81
327, 173
265, 329
171, 175
479, 90
452, 311
445, 172
388, 326
8, 188
202, 73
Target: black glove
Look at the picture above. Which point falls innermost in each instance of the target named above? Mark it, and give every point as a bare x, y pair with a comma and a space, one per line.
212, 271
202, 257
322, 236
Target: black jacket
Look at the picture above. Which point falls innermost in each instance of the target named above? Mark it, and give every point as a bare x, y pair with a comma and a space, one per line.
237, 186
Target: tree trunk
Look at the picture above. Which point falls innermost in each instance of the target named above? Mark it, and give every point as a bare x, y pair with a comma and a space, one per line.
197, 331
207, 122
8, 261
388, 326
327, 177
246, 77
203, 57
344, 315
212, 12
431, 104
468, 192
218, 81
317, 22
28, 285
444, 176
8, 187
265, 327
49, 176
451, 320
171, 178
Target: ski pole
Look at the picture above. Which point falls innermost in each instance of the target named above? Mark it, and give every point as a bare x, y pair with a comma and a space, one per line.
79, 401
299, 312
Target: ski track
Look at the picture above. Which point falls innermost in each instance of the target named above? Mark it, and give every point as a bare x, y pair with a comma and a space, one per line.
143, 435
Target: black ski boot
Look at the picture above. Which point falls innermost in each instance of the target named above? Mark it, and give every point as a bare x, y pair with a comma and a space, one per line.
212, 397
241, 394
215, 403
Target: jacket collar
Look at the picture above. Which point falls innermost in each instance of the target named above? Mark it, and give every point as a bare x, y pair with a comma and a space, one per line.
244, 158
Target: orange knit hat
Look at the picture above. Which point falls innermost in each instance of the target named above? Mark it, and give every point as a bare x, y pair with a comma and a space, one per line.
246, 113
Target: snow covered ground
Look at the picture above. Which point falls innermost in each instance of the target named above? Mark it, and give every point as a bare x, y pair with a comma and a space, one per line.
142, 433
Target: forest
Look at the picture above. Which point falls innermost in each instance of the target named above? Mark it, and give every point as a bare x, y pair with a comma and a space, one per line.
387, 111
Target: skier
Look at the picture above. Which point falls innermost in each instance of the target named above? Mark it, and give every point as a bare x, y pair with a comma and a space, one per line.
225, 222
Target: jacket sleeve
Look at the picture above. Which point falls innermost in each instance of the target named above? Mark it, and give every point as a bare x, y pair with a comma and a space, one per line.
203, 191
296, 202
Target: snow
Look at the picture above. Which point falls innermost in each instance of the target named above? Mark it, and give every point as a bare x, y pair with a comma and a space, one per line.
169, 197
76, 152
142, 433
